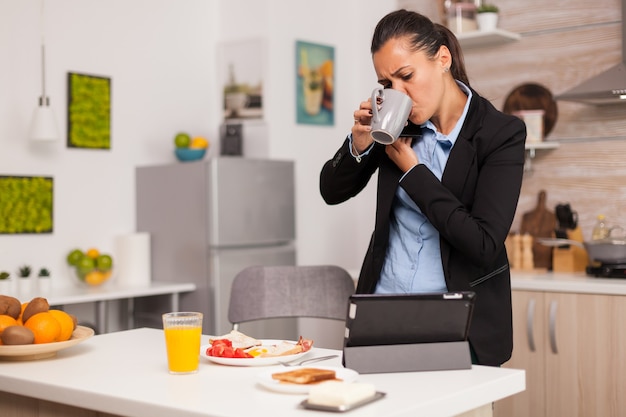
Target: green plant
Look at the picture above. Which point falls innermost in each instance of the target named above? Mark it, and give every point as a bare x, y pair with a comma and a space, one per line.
4, 275
233, 86
487, 8
26, 204
24, 271
43, 272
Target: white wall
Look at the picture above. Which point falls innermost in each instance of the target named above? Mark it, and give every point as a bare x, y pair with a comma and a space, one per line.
161, 57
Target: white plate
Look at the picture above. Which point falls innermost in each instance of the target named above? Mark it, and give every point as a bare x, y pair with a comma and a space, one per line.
255, 361
265, 379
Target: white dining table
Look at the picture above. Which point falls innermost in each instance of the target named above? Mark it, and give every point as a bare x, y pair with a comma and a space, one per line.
125, 373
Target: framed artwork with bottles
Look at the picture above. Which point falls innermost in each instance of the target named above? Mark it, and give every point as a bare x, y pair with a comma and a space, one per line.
314, 83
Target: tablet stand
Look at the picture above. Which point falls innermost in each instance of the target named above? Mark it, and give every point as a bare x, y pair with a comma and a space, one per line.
408, 357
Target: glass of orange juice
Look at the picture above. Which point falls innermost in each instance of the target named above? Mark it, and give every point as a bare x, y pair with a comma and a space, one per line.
182, 340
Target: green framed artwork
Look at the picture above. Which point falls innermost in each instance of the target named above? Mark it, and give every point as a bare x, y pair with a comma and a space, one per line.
26, 204
315, 83
88, 111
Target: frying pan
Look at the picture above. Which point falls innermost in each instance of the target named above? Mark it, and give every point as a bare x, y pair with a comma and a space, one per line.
606, 251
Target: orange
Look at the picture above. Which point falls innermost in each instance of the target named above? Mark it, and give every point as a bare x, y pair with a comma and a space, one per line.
95, 277
93, 253
6, 321
66, 322
199, 143
45, 327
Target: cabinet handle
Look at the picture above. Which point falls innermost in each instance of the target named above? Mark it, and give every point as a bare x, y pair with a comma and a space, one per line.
553, 307
530, 320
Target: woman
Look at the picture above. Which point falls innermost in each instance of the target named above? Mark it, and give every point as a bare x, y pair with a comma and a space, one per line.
446, 200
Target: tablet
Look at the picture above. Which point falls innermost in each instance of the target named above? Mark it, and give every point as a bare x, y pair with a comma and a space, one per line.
375, 319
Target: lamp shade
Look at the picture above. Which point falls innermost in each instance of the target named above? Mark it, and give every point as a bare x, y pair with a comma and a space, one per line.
44, 126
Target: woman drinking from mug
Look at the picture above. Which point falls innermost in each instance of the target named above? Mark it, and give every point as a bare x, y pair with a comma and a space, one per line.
446, 198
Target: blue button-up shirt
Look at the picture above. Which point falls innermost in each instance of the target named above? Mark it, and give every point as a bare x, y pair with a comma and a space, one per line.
413, 261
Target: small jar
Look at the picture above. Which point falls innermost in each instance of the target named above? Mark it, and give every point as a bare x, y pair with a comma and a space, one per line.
462, 17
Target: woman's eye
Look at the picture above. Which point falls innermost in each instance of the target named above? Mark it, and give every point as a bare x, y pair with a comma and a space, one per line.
407, 77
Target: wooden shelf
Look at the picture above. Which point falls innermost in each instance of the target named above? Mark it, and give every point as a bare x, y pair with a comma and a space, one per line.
533, 147
542, 145
480, 38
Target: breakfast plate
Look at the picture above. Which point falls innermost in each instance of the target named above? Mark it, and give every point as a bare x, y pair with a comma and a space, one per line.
265, 379
43, 350
257, 361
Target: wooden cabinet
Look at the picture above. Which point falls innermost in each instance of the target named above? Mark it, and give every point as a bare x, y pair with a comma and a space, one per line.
573, 349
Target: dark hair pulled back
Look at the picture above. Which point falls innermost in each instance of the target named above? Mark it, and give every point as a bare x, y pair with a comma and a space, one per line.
422, 34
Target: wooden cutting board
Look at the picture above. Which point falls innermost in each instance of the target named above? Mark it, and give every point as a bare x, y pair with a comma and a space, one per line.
540, 222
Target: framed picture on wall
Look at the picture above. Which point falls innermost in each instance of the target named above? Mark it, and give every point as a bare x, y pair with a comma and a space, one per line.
241, 75
26, 204
88, 111
314, 83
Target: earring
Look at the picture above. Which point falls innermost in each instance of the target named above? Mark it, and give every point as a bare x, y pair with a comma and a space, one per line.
446, 69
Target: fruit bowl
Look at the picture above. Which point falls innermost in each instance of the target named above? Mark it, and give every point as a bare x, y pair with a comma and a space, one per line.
90, 268
189, 154
91, 278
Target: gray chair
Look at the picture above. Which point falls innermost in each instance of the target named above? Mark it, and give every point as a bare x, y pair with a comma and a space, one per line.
266, 292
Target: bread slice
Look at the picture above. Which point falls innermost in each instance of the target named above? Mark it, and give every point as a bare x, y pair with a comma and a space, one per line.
305, 375
282, 349
238, 339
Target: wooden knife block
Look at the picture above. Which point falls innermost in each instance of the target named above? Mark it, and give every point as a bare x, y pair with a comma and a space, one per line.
572, 259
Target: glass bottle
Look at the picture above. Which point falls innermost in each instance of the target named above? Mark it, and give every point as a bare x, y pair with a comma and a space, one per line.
600, 230
461, 16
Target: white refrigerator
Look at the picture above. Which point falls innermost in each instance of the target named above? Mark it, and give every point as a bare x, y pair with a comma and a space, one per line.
210, 219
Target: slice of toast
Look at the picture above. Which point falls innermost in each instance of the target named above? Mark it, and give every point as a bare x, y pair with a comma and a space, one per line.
305, 375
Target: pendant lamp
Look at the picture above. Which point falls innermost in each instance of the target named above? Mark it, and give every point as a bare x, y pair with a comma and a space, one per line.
44, 126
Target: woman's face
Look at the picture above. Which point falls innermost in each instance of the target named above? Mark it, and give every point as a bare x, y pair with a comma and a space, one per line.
414, 74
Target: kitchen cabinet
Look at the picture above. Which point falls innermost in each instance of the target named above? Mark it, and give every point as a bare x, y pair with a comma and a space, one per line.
571, 346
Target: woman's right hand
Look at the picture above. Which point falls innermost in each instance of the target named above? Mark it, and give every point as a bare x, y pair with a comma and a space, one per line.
361, 138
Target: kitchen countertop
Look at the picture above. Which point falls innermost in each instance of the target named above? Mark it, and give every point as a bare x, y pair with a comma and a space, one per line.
574, 282
125, 373
101, 295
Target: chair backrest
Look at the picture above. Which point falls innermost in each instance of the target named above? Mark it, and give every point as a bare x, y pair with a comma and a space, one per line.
264, 292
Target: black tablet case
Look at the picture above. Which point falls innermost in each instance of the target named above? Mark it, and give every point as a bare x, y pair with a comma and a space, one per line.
400, 333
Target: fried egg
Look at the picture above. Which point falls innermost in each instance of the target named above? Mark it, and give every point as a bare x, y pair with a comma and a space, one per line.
257, 351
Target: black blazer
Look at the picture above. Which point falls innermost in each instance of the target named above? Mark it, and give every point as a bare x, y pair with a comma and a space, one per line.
472, 208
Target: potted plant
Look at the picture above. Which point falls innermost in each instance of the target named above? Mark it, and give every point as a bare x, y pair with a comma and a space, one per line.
23, 273
5, 282
43, 282
487, 16
235, 94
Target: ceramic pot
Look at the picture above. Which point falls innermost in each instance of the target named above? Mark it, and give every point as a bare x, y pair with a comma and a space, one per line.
487, 21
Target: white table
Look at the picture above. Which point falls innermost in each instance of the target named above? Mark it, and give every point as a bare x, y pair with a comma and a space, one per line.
125, 373
110, 291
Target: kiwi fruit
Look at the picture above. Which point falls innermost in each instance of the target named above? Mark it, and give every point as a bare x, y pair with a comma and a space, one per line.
10, 306
17, 335
36, 305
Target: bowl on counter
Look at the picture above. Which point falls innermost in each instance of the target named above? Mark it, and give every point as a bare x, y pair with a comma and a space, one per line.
189, 154
91, 278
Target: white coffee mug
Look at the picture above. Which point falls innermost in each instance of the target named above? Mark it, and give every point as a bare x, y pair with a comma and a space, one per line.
390, 119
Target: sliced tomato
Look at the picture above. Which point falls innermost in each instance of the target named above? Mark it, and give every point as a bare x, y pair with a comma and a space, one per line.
240, 353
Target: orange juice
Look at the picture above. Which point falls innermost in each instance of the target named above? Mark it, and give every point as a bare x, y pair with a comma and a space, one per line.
183, 348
